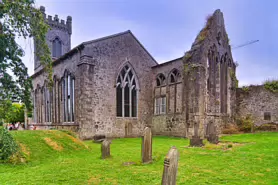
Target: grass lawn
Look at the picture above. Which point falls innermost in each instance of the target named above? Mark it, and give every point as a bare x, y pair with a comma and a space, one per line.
57, 158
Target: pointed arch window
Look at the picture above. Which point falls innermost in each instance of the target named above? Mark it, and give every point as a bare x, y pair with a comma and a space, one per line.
174, 76
160, 80
47, 103
126, 93
68, 97
56, 48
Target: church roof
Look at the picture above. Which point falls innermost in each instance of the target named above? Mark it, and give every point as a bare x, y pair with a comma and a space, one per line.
167, 62
82, 45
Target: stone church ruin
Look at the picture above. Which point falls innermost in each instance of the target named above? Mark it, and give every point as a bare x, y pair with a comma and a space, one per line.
112, 86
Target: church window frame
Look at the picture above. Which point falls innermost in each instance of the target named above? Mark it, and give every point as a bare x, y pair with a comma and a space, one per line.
68, 93
56, 47
127, 91
47, 104
174, 76
160, 80
267, 116
160, 105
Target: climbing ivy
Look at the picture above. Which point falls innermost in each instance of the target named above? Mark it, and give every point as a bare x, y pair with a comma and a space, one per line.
233, 77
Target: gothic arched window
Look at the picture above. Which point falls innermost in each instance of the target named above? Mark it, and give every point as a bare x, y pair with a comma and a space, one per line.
174, 76
47, 103
126, 92
160, 80
56, 48
68, 97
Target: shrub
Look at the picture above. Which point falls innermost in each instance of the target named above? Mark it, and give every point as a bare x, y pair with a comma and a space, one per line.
271, 85
267, 127
8, 146
230, 129
245, 88
245, 124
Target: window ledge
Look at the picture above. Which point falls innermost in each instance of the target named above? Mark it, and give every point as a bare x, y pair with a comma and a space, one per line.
127, 118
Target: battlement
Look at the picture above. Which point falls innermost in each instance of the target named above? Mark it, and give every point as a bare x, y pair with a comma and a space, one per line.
54, 22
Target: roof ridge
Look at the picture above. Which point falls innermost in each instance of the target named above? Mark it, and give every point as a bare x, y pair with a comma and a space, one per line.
106, 37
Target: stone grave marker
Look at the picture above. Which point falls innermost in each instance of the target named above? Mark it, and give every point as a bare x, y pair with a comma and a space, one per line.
196, 140
170, 171
99, 138
105, 149
212, 134
147, 146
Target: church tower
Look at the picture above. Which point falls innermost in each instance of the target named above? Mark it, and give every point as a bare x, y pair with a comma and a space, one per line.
58, 37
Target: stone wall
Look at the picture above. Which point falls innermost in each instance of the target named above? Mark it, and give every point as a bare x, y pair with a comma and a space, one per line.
68, 64
172, 122
209, 79
257, 101
110, 56
58, 29
202, 93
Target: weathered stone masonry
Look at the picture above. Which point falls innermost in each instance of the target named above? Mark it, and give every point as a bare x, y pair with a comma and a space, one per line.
258, 103
208, 87
112, 86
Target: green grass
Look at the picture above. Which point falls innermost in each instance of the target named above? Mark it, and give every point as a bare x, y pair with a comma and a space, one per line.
255, 161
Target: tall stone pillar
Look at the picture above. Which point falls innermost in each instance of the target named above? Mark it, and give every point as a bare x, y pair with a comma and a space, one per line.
84, 88
195, 99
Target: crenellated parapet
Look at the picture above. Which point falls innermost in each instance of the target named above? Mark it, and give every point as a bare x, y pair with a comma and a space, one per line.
55, 22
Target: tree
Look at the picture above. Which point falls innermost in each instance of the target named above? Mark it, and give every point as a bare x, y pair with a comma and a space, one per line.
15, 113
20, 18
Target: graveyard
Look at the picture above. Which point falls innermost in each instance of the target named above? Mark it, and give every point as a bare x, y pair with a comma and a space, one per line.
57, 157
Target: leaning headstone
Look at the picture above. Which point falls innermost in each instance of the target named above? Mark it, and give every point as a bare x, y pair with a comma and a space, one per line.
196, 139
147, 146
105, 149
170, 171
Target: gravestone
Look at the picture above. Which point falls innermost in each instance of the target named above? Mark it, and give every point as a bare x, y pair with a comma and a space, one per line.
212, 136
147, 146
170, 171
196, 140
105, 149
128, 129
99, 138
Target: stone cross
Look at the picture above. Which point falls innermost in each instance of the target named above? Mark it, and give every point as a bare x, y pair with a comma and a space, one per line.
147, 146
105, 149
170, 171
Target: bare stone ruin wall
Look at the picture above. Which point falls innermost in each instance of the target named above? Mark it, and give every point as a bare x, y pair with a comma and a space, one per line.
208, 84
256, 101
172, 122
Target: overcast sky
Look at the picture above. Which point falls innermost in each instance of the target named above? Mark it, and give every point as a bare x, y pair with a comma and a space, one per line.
167, 28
